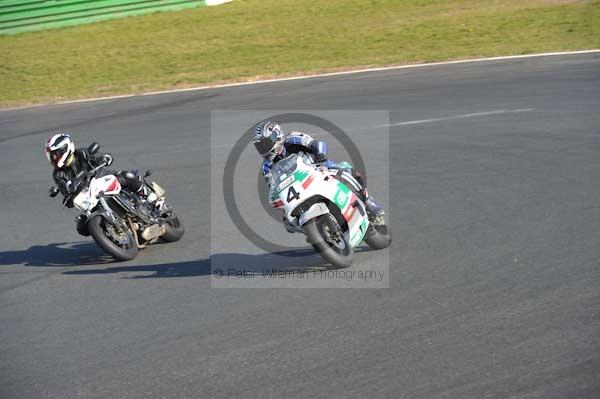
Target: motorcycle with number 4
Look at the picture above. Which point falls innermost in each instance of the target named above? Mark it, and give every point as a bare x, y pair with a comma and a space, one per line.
319, 202
122, 222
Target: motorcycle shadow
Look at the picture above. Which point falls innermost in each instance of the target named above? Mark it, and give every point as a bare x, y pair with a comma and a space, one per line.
57, 255
292, 260
228, 263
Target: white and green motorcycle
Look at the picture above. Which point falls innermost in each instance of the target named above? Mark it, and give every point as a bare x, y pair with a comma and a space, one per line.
320, 203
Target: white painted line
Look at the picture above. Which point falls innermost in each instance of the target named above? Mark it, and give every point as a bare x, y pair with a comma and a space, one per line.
321, 75
463, 116
355, 71
90, 99
420, 121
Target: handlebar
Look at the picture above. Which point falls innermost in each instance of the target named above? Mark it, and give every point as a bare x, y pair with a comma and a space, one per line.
91, 171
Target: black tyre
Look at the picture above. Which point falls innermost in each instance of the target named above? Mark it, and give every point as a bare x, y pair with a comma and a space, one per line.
173, 229
378, 237
121, 246
325, 235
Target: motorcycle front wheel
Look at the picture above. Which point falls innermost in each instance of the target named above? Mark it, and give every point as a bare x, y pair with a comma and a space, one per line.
325, 235
119, 244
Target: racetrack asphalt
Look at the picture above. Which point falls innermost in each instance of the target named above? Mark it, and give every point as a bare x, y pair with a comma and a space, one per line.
494, 286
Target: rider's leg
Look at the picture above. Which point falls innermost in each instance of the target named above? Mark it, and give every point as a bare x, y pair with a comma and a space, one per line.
355, 179
374, 211
373, 208
132, 182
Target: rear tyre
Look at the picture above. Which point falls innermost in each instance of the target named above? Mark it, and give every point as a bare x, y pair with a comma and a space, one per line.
326, 236
378, 236
173, 229
121, 246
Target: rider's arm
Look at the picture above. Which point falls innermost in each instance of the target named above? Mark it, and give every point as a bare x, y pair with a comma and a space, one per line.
266, 169
61, 183
319, 148
315, 147
95, 160
64, 186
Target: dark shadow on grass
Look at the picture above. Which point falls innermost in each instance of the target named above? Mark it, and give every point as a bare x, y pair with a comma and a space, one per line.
57, 254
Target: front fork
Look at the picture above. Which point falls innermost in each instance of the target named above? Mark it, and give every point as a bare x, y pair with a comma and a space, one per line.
105, 212
109, 214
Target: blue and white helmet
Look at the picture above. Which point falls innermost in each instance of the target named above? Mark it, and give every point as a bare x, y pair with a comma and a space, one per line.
268, 139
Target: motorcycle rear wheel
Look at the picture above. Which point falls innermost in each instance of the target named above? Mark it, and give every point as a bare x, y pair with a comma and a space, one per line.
378, 237
173, 229
97, 227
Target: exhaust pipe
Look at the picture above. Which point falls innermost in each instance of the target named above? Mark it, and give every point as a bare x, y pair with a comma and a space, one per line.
153, 232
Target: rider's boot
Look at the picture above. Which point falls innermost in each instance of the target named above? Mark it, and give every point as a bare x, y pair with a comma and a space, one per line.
374, 211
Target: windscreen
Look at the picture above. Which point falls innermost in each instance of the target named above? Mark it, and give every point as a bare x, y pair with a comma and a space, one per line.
283, 169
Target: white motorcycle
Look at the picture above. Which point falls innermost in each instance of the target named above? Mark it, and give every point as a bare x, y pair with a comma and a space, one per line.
322, 204
122, 222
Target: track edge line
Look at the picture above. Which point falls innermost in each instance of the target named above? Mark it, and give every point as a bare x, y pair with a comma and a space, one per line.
309, 76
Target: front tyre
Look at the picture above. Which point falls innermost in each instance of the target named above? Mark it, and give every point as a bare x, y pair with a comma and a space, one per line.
119, 244
327, 238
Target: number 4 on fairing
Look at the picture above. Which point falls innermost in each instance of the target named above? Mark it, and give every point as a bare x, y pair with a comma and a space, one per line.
292, 194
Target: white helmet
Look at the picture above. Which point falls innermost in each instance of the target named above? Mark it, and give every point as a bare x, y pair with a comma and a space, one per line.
59, 148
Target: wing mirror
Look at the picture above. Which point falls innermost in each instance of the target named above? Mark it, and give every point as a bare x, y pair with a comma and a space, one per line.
53, 192
93, 148
148, 173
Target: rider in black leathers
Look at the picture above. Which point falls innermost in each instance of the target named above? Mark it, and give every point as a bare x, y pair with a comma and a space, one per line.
69, 163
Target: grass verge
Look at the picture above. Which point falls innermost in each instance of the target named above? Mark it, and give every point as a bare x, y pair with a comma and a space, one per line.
255, 39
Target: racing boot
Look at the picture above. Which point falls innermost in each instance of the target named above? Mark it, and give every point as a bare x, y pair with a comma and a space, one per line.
374, 211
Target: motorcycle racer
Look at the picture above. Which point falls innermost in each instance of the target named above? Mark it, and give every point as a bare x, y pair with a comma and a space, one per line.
69, 161
122, 211
274, 145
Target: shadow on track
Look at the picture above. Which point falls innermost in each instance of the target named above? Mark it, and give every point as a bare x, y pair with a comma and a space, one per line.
87, 253
57, 254
229, 263
163, 270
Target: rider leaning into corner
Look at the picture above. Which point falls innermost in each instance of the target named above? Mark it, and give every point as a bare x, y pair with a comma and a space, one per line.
274, 145
68, 162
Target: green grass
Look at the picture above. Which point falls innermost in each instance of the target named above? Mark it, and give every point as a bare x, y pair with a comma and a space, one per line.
247, 40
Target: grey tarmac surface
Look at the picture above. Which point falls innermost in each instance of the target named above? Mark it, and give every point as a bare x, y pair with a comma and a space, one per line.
494, 286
